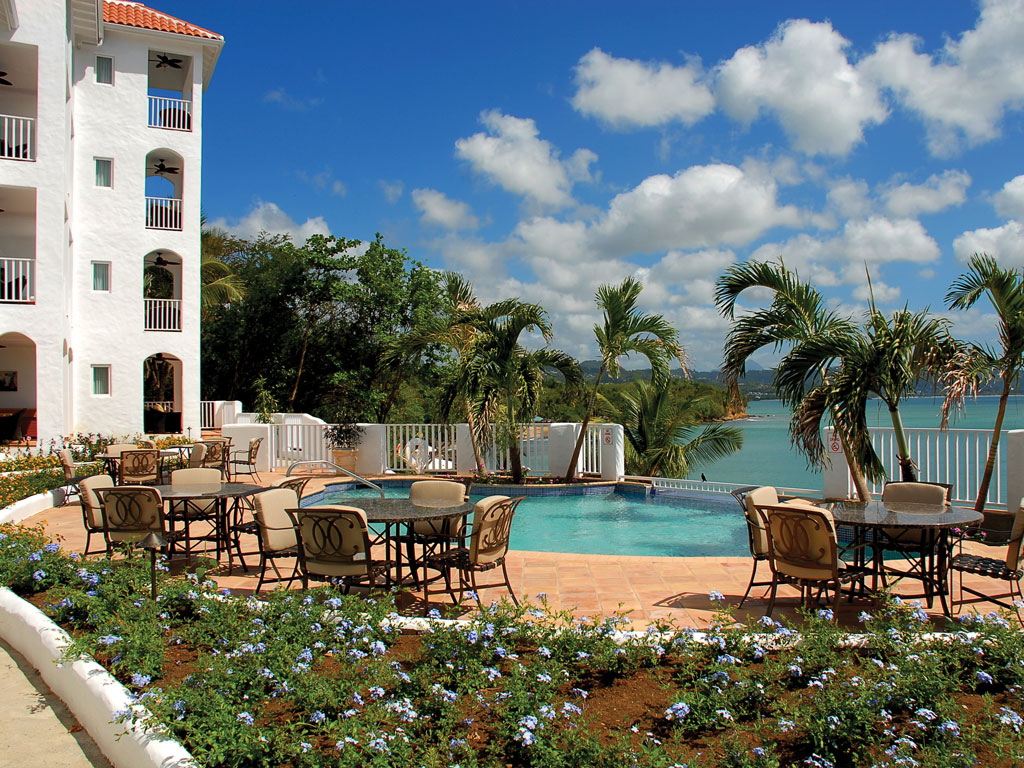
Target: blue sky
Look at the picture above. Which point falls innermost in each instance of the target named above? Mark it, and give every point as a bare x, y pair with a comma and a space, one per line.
545, 148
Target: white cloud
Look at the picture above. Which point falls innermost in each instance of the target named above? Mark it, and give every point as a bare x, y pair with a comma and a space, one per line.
392, 190
290, 102
513, 156
1005, 243
963, 92
1009, 201
702, 206
324, 180
630, 94
850, 197
936, 194
268, 217
802, 76
840, 260
883, 293
441, 210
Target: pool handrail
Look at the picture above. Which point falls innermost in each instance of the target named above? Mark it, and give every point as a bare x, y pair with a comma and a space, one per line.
325, 462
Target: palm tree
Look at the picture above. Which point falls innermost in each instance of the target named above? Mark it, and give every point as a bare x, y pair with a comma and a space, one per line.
626, 329
1005, 290
502, 378
660, 437
887, 359
796, 315
219, 283
452, 329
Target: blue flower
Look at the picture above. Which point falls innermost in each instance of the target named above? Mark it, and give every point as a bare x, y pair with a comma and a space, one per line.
1010, 718
52, 547
864, 617
108, 639
826, 614
141, 681
317, 717
543, 651
35, 557
984, 677
245, 717
677, 711
795, 671
39, 575
715, 596
951, 727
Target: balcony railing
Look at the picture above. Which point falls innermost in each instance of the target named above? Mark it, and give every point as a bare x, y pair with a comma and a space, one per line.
163, 314
18, 280
163, 213
172, 114
17, 138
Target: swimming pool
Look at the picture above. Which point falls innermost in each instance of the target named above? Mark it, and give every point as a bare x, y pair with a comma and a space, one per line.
613, 524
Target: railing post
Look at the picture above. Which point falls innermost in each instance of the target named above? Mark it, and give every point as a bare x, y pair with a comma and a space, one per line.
1014, 469
837, 471
561, 441
371, 459
465, 463
613, 451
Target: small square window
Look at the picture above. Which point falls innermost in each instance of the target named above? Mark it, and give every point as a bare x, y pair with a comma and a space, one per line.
101, 379
105, 70
101, 276
104, 172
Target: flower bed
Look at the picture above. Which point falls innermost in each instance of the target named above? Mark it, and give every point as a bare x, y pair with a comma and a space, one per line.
322, 679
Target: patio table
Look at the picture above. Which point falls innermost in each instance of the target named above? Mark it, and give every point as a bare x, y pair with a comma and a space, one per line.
392, 513
889, 522
184, 498
112, 463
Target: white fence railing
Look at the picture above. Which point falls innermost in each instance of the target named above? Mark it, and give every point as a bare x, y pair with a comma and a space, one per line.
955, 456
207, 414
163, 314
18, 280
162, 405
592, 450
173, 114
163, 213
421, 447
17, 138
298, 442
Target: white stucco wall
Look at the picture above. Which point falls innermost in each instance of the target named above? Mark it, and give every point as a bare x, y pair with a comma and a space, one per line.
76, 223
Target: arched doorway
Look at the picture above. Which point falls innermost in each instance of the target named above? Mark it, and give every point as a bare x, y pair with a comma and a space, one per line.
161, 387
164, 183
161, 280
17, 388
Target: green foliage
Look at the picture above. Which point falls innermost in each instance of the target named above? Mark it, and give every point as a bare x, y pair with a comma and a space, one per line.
265, 404
315, 322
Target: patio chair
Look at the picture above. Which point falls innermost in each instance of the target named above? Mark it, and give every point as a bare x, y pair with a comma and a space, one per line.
488, 537
197, 455
249, 460
1008, 569
274, 531
803, 551
911, 544
139, 467
334, 543
195, 510
71, 480
92, 514
146, 443
129, 513
217, 456
116, 449
297, 484
429, 534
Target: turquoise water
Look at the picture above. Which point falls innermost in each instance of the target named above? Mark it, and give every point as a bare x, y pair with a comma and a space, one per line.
768, 459
612, 524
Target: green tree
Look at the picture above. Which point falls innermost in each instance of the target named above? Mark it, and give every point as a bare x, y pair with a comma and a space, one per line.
504, 379
625, 329
661, 438
973, 362
219, 283
797, 315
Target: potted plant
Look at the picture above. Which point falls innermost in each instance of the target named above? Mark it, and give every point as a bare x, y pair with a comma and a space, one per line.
344, 440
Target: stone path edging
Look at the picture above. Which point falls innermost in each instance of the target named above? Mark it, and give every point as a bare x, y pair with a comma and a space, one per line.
90, 692
32, 505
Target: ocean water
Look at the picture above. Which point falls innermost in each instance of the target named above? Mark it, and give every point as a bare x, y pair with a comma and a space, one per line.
767, 458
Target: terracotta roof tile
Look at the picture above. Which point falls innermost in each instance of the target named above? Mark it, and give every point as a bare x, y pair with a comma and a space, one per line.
133, 14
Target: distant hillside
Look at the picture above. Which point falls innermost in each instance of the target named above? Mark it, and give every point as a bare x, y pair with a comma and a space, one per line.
756, 386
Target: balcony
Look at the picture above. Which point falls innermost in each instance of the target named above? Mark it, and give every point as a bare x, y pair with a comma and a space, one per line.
172, 114
163, 213
163, 314
17, 281
17, 138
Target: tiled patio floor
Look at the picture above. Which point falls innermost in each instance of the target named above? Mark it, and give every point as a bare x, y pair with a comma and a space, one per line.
646, 588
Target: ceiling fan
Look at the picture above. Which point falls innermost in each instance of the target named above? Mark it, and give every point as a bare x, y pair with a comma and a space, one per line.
160, 168
163, 60
160, 261
4, 80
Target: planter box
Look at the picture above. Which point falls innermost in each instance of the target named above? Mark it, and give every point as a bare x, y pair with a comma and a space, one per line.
997, 524
345, 458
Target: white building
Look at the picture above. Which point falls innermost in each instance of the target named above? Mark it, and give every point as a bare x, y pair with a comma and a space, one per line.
101, 105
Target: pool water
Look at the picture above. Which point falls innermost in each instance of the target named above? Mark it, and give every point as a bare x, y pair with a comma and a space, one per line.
614, 524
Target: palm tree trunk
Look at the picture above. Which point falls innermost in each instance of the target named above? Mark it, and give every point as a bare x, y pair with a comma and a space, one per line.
859, 482
471, 423
907, 473
515, 458
570, 472
993, 449
298, 373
